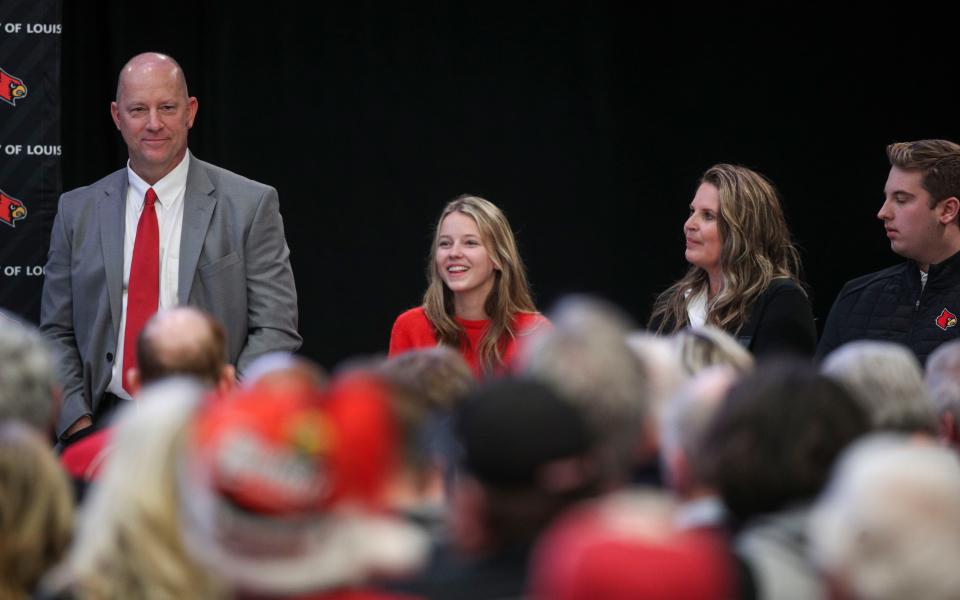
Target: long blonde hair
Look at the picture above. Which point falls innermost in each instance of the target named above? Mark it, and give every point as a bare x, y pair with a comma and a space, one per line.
129, 542
36, 522
510, 294
756, 248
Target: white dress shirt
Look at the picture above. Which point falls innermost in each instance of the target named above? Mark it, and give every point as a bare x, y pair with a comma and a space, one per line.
697, 309
169, 206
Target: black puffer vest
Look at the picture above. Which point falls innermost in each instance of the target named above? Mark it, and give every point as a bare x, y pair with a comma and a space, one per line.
890, 305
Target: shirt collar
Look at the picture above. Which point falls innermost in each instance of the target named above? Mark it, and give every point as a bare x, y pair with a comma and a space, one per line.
167, 188
944, 274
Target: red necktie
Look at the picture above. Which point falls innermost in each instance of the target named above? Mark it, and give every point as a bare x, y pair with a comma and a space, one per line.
143, 288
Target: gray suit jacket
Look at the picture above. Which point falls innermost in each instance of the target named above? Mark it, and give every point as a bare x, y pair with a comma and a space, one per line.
234, 263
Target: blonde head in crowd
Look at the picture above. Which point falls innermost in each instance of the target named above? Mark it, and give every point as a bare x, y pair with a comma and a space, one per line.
37, 517
699, 348
756, 248
129, 542
511, 291
666, 374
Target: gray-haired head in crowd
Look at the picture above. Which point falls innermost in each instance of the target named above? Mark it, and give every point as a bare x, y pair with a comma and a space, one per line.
888, 525
665, 373
587, 359
29, 391
887, 380
943, 383
683, 424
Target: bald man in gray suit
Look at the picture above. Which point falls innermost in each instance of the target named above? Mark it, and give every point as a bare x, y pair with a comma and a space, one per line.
221, 248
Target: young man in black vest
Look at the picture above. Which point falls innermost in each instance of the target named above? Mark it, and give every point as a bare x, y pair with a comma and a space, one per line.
915, 303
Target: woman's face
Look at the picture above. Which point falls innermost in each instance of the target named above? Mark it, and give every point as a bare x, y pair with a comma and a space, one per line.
462, 259
702, 229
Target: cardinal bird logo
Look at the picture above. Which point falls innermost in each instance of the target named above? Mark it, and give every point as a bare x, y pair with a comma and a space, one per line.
11, 88
946, 320
11, 210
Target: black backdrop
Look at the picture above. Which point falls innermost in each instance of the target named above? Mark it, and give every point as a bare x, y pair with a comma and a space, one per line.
588, 125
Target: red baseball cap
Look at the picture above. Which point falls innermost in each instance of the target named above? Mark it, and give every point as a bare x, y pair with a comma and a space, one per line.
282, 488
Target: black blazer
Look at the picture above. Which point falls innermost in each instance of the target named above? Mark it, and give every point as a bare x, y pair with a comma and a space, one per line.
780, 323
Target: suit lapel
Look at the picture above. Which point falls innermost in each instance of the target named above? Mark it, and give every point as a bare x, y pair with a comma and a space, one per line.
198, 204
112, 216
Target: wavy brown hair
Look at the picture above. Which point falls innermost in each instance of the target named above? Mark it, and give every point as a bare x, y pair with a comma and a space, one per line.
510, 294
756, 248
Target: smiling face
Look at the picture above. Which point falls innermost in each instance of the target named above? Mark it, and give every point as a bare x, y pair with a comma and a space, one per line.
462, 260
153, 114
702, 229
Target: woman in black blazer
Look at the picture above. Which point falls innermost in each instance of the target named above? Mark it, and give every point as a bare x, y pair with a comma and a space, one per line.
744, 268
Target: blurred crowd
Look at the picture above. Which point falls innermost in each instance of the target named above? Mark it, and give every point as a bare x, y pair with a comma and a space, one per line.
606, 463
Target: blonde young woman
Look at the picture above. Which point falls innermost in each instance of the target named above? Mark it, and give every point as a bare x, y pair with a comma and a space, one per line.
478, 300
744, 268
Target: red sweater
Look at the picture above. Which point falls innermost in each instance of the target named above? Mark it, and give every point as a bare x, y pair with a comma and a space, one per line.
413, 330
82, 459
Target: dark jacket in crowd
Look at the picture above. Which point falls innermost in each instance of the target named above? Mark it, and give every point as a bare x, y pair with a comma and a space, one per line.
890, 305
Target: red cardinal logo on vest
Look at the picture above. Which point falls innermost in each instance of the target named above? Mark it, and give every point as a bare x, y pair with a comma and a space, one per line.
11, 88
946, 320
11, 210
